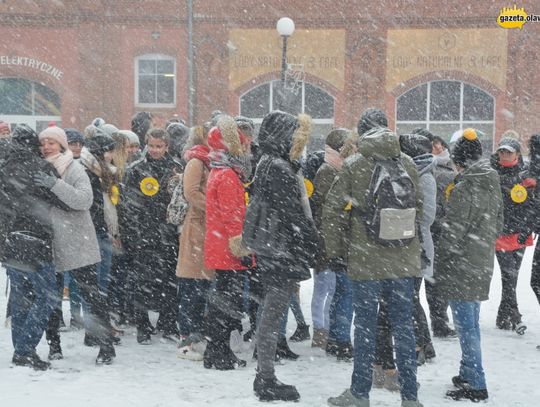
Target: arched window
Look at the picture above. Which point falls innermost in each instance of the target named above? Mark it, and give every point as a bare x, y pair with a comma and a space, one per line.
155, 81
28, 102
444, 107
310, 99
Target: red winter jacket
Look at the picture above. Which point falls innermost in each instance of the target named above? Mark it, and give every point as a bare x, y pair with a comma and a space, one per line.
225, 212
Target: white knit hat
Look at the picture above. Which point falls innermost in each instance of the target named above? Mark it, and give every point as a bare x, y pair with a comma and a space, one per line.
57, 134
132, 137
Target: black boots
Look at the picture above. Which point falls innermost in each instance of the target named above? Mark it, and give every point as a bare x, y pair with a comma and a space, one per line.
301, 334
468, 394
221, 357
442, 330
55, 351
344, 351
272, 389
106, 355
32, 361
283, 351
465, 392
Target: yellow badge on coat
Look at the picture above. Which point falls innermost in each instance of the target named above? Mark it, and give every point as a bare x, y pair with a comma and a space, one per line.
114, 195
149, 186
449, 190
309, 187
518, 193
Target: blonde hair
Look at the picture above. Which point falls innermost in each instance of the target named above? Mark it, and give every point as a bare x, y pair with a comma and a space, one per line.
120, 154
198, 136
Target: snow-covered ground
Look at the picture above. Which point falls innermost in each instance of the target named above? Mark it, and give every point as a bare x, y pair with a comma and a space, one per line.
154, 376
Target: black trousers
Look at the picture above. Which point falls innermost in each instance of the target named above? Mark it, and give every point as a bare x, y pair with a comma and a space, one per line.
155, 288
99, 322
256, 296
535, 272
225, 305
509, 263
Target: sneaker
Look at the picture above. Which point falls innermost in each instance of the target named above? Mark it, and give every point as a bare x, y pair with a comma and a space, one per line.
301, 334
106, 355
520, 328
347, 399
32, 361
468, 394
188, 352
55, 351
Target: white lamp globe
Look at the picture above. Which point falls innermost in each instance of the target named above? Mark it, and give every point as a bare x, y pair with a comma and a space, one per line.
285, 27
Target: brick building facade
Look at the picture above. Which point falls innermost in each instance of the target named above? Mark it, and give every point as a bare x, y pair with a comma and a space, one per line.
441, 65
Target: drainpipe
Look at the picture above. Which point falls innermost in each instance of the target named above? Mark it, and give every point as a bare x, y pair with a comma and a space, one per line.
191, 84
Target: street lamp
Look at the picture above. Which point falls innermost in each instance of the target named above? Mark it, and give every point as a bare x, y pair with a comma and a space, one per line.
285, 28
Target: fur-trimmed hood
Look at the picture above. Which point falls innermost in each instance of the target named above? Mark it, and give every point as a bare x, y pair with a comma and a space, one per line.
225, 136
284, 135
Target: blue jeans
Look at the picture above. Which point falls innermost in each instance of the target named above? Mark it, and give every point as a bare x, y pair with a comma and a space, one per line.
192, 295
466, 315
399, 294
30, 311
324, 286
341, 310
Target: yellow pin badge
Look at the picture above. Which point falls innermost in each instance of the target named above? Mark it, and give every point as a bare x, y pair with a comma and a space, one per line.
518, 193
149, 186
309, 187
115, 195
448, 190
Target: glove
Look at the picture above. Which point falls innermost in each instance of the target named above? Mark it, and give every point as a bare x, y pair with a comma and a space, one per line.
522, 237
45, 180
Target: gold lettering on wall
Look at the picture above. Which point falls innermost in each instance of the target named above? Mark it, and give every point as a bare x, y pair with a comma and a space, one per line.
256, 52
481, 52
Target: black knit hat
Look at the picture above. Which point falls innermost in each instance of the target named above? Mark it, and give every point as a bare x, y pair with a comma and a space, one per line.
74, 136
25, 135
100, 143
371, 118
467, 149
336, 138
414, 144
424, 132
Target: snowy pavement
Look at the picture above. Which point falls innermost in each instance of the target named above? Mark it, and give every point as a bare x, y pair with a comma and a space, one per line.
152, 376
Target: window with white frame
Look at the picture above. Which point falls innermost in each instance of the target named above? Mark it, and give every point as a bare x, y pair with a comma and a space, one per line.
444, 107
310, 99
155, 80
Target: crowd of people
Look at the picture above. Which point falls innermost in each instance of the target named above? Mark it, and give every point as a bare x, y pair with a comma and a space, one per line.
207, 223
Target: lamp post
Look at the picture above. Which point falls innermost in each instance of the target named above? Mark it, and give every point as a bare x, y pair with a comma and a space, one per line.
285, 28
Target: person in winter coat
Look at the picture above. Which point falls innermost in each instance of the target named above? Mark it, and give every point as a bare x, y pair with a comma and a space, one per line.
470, 228
179, 134
444, 175
152, 242
223, 252
374, 269
533, 216
103, 181
141, 123
419, 149
134, 145
279, 228
331, 286
25, 209
73, 230
510, 246
193, 277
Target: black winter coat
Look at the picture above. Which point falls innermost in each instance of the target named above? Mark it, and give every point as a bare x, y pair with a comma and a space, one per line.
142, 217
25, 206
515, 214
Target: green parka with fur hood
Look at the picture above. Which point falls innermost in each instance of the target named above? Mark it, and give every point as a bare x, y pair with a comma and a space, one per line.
344, 230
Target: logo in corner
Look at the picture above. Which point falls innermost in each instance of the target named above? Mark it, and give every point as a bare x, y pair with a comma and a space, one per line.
512, 17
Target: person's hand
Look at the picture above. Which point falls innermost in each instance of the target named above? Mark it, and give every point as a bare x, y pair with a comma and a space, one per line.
45, 180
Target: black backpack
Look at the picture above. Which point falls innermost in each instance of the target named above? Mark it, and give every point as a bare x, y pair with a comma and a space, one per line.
390, 216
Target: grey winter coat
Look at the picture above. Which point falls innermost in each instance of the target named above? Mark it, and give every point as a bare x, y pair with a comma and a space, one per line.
425, 165
74, 243
473, 221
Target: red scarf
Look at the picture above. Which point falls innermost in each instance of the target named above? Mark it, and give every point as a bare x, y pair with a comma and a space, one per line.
200, 152
508, 164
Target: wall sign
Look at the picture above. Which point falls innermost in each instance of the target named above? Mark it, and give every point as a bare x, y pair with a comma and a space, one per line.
33, 64
481, 52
